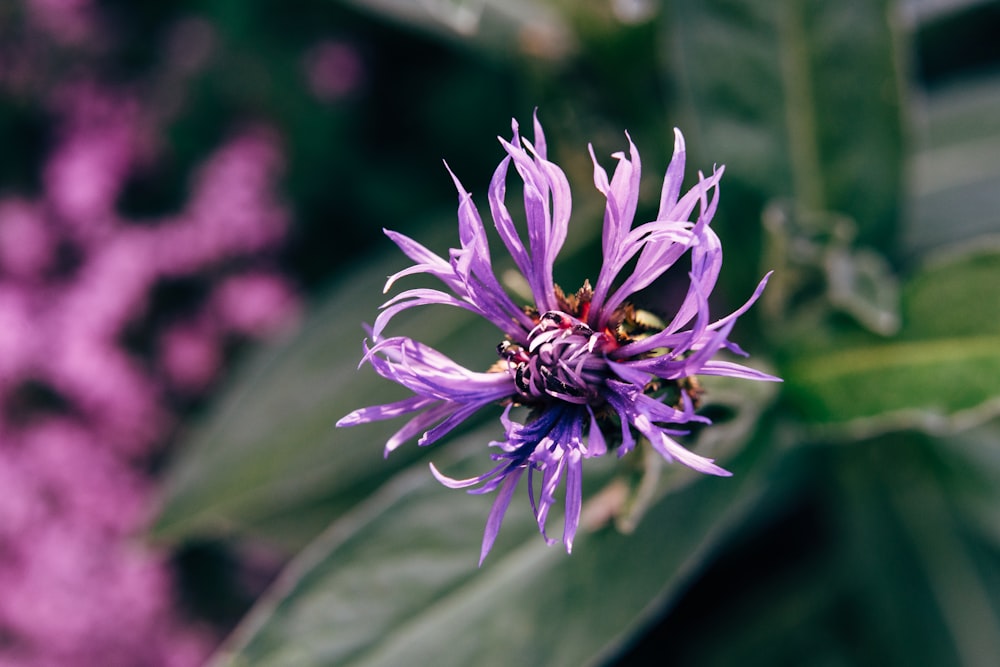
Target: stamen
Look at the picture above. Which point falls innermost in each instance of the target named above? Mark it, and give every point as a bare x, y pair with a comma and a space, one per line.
564, 360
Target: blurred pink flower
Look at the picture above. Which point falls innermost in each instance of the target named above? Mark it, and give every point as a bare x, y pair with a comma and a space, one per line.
88, 365
256, 304
334, 69
65, 21
27, 244
233, 209
18, 340
191, 356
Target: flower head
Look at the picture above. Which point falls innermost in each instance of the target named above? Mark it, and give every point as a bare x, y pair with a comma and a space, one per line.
592, 371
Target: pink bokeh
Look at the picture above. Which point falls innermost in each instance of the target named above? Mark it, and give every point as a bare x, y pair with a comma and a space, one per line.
88, 367
65, 21
334, 69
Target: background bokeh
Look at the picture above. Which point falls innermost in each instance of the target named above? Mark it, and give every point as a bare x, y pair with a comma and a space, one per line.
192, 198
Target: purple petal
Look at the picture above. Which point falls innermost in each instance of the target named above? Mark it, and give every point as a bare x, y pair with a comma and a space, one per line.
746, 306
679, 344
683, 209
552, 474
469, 276
539, 136
657, 253
385, 411
474, 258
626, 371
708, 349
410, 299
547, 204
426, 261
446, 426
498, 511
658, 411
674, 177
596, 444
673, 451
733, 370
503, 221
419, 423
622, 195
453, 483
574, 497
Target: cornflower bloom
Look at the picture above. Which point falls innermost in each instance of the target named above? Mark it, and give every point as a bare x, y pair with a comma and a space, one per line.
593, 371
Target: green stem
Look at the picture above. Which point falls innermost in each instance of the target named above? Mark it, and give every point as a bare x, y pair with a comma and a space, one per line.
800, 109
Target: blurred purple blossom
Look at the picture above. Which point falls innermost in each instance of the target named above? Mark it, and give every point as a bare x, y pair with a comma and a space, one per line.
334, 69
65, 21
84, 405
592, 371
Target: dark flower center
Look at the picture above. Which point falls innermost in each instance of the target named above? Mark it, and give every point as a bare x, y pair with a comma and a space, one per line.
564, 360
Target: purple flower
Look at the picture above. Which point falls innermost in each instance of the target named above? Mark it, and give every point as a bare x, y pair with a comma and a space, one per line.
592, 371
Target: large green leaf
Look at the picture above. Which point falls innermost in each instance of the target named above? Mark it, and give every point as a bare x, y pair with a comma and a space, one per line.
884, 569
955, 165
943, 369
914, 550
799, 99
973, 481
395, 582
268, 457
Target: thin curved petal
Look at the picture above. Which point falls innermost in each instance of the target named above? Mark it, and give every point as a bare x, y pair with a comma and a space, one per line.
746, 306
673, 178
657, 256
385, 411
498, 511
547, 205
596, 444
734, 370
574, 496
622, 194
671, 450
419, 423
453, 483
411, 299
426, 261
427, 372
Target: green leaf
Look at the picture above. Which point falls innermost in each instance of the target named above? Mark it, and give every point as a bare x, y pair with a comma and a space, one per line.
916, 548
943, 371
395, 581
799, 99
973, 480
872, 563
268, 458
955, 166
501, 27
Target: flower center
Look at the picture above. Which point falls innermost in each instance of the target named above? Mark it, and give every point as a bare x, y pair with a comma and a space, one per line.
564, 360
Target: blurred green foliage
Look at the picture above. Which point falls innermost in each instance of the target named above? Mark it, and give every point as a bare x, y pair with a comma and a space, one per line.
862, 525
